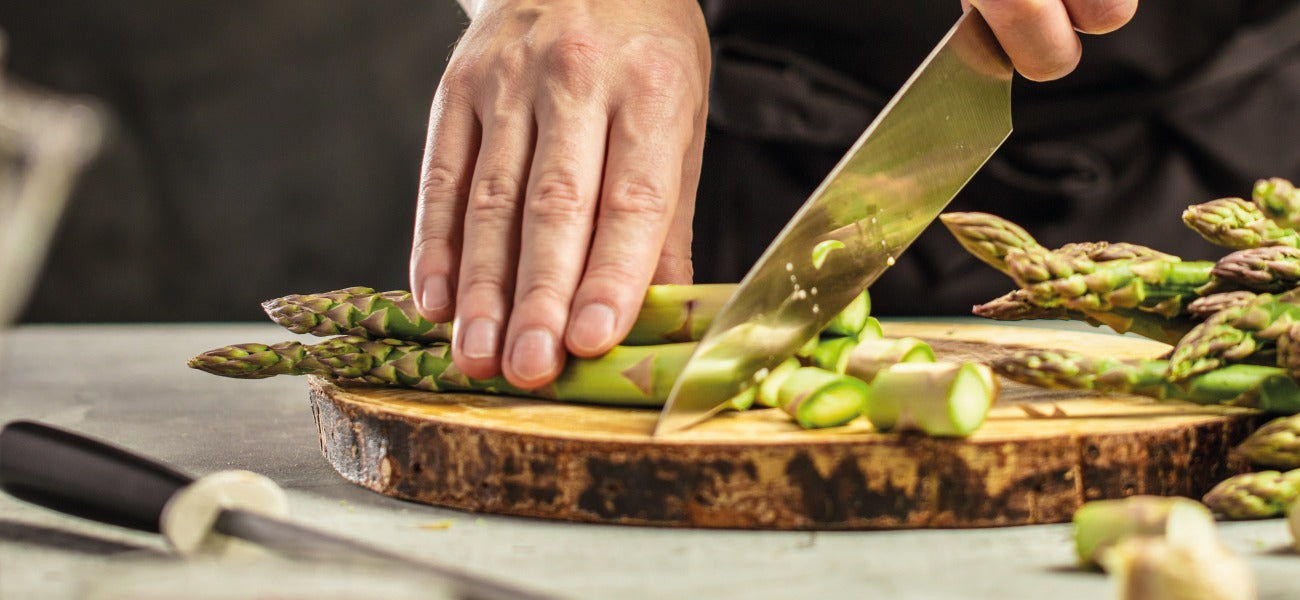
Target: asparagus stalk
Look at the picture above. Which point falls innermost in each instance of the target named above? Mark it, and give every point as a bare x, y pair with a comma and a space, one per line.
1264, 269
939, 399
1275, 444
1020, 305
669, 314
1235, 333
1159, 286
1258, 495
868, 358
818, 398
1269, 389
1279, 200
833, 353
770, 385
1236, 223
854, 319
1205, 306
1100, 524
627, 375
989, 237
1154, 568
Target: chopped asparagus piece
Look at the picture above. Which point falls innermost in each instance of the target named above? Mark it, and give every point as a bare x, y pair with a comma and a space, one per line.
1154, 568
869, 357
770, 386
819, 398
938, 399
1100, 524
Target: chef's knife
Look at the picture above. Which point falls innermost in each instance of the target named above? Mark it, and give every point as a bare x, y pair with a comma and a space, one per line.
68, 472
932, 137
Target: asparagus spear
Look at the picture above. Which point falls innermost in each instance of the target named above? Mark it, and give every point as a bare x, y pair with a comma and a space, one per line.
817, 398
669, 314
1100, 524
1235, 333
1158, 285
1019, 305
1264, 269
1279, 200
1269, 389
769, 386
1236, 223
1207, 305
939, 399
1275, 444
1258, 495
989, 237
627, 375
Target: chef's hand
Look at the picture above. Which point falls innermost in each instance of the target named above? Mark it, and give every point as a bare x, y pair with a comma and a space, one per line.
559, 177
1041, 36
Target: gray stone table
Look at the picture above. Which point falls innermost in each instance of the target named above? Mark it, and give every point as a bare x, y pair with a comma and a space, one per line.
130, 385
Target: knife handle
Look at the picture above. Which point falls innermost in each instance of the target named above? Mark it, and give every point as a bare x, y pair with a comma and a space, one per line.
70, 473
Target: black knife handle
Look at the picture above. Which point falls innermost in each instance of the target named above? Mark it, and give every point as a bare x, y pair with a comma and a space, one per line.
80, 476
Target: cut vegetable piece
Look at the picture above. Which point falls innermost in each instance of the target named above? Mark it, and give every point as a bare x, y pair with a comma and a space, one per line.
1154, 568
1100, 524
939, 399
770, 386
869, 357
833, 354
853, 318
822, 250
819, 398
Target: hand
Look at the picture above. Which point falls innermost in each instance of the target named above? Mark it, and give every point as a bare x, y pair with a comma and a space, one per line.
1040, 35
559, 178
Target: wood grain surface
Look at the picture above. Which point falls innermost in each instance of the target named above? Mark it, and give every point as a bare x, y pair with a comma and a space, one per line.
1038, 457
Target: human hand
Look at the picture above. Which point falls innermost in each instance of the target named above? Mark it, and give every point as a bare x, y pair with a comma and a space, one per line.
1041, 36
559, 178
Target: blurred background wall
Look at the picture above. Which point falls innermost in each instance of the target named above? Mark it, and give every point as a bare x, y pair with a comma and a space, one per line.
257, 148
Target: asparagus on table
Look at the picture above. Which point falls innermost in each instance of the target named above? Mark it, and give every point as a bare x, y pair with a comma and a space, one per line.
939, 399
1269, 389
1258, 495
1236, 223
868, 358
627, 375
1279, 200
1100, 524
1275, 444
1019, 305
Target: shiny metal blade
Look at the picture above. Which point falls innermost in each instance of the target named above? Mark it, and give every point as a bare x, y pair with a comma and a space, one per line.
931, 138
298, 542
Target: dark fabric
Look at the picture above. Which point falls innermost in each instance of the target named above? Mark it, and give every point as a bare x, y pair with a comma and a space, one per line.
258, 148
1191, 101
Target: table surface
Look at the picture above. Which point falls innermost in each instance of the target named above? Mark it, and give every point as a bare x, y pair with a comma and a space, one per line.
128, 384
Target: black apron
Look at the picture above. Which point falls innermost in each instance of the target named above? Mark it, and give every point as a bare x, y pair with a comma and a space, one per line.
1189, 102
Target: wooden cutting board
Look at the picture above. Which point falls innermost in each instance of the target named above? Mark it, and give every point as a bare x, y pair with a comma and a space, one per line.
1038, 457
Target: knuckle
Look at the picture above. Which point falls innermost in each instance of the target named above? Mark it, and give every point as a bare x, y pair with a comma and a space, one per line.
557, 194
513, 61
483, 288
637, 197
439, 182
661, 73
542, 291
572, 61
495, 193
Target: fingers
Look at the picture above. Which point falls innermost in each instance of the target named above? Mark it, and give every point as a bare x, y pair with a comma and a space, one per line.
557, 226
449, 153
491, 234
1041, 36
1100, 16
1036, 34
639, 196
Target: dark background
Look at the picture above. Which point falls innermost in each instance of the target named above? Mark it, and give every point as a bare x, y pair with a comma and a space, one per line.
257, 148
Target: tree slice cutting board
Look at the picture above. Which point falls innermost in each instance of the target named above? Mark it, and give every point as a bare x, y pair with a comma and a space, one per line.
1038, 457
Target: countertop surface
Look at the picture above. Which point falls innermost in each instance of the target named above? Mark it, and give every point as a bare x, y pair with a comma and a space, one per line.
128, 384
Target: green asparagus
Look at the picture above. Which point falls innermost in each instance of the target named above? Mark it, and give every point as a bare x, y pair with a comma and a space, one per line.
818, 398
1236, 223
939, 399
627, 375
1235, 333
1269, 389
1100, 524
1258, 495
1275, 444
1279, 200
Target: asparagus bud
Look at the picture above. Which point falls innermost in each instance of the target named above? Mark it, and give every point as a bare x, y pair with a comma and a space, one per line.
988, 237
1258, 495
1275, 444
1265, 269
1236, 223
1279, 200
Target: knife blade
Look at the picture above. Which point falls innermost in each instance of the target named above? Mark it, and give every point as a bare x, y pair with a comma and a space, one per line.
88, 478
930, 139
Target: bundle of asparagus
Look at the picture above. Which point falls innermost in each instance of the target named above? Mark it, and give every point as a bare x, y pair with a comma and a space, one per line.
381, 339
1232, 322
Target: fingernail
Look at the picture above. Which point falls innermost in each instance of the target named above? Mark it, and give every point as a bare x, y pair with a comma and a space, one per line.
436, 294
534, 354
593, 326
480, 339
